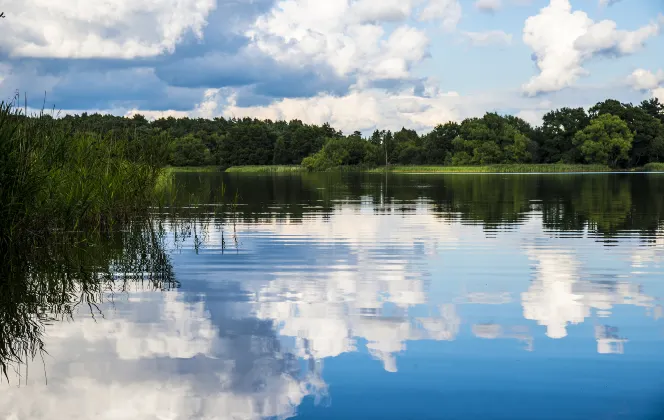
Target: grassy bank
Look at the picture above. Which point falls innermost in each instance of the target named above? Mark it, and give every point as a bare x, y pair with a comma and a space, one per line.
654, 167
515, 168
175, 169
265, 169
506, 168
54, 178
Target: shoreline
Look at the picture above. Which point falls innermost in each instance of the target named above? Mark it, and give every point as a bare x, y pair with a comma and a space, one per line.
198, 169
431, 169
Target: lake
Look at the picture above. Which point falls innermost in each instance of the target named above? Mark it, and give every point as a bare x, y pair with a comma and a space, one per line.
354, 296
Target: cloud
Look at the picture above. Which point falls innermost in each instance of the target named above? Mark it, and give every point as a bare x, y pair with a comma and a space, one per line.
489, 6
606, 3
420, 107
496, 331
263, 74
560, 55
165, 359
647, 81
642, 79
488, 38
447, 12
384, 11
653, 254
347, 296
221, 59
110, 29
532, 116
659, 94
207, 108
559, 295
355, 63
114, 88
5, 70
305, 32
183, 355
608, 340
362, 110
328, 310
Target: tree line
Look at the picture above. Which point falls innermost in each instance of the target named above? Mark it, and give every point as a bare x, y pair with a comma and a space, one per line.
621, 135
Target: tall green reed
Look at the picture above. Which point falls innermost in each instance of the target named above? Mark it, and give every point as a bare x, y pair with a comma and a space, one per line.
55, 176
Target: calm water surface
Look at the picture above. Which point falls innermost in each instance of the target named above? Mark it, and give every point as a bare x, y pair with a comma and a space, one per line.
357, 296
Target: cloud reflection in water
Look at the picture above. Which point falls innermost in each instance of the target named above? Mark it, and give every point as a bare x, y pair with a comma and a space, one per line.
384, 280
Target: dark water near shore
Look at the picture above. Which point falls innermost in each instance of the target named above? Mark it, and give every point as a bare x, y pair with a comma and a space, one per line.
343, 296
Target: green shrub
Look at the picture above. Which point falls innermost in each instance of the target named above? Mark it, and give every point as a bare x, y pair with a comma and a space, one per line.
654, 167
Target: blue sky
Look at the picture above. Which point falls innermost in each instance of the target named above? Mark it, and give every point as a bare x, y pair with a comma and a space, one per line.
358, 64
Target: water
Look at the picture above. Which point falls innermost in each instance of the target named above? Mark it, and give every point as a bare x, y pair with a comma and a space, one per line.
344, 296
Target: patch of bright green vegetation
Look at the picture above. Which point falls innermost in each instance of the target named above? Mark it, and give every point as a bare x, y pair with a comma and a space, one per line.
500, 168
654, 167
265, 169
174, 169
507, 168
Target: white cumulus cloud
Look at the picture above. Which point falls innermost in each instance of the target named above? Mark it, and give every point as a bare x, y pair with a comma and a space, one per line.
102, 29
359, 110
347, 37
560, 53
447, 12
642, 79
646, 80
659, 94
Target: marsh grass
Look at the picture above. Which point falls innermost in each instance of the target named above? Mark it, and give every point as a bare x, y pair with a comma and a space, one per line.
654, 167
266, 169
53, 177
508, 168
69, 204
194, 169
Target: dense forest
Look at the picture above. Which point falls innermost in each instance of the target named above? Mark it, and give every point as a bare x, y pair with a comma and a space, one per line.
612, 133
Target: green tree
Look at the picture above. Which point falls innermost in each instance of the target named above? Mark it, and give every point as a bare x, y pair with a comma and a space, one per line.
654, 108
606, 140
489, 140
189, 151
493, 138
377, 137
373, 154
281, 152
648, 130
406, 147
557, 134
345, 151
519, 150
438, 143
